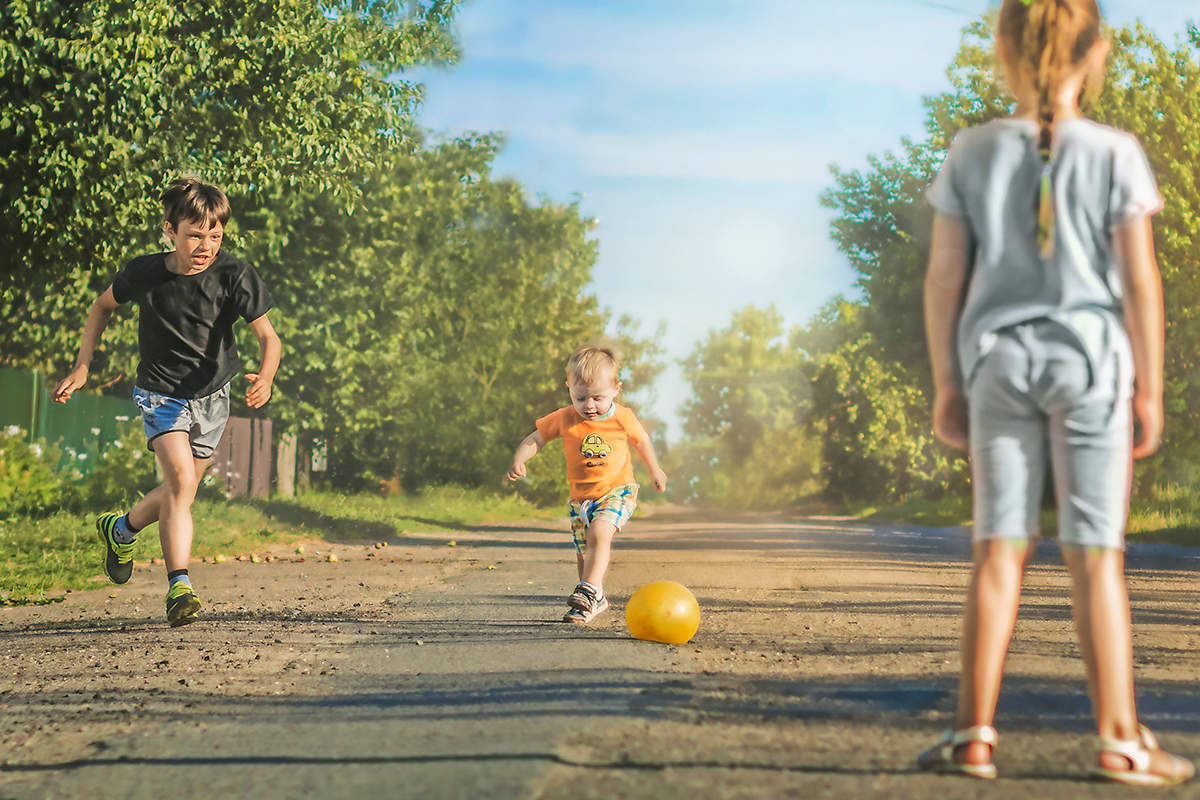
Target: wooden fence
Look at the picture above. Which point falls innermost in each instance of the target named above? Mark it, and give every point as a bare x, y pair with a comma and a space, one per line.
245, 463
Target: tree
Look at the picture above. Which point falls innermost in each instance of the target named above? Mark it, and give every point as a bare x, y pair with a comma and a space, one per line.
882, 220
748, 442
106, 100
430, 326
878, 443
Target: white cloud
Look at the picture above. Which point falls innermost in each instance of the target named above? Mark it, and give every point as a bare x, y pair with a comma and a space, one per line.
698, 132
749, 45
736, 157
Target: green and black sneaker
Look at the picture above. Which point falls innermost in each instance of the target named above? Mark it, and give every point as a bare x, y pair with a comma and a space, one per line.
118, 558
182, 605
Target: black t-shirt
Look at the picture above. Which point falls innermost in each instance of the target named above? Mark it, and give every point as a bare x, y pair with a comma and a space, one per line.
185, 322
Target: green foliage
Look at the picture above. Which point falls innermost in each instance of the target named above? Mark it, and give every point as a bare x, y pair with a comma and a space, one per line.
106, 100
878, 442
778, 419
27, 484
425, 309
430, 327
882, 224
34, 480
750, 442
123, 473
1154, 92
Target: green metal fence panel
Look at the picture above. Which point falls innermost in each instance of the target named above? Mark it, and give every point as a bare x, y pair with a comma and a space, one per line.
18, 400
84, 426
79, 429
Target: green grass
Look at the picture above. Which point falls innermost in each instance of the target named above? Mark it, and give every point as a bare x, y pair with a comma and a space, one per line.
1169, 515
41, 558
942, 513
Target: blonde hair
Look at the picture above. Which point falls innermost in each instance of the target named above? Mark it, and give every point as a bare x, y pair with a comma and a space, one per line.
591, 363
1048, 39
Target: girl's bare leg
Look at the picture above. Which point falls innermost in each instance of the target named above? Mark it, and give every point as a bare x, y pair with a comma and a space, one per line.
989, 616
1101, 611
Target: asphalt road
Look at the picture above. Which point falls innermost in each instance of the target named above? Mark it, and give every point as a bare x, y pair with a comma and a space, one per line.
825, 661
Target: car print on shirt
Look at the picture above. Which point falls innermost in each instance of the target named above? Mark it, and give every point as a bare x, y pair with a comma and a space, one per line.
594, 450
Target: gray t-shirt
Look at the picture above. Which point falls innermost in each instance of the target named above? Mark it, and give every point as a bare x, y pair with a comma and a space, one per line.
1100, 180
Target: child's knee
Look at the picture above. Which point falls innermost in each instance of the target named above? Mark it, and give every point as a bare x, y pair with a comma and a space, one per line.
1088, 563
600, 533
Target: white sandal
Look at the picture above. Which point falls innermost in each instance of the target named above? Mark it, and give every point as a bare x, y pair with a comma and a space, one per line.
1137, 752
940, 757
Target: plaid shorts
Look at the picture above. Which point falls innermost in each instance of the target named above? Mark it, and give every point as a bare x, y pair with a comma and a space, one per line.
617, 507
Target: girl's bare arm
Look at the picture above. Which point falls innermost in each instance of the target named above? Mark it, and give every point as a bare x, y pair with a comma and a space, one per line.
1143, 298
944, 283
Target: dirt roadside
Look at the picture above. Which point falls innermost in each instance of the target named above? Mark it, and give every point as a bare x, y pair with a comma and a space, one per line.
826, 659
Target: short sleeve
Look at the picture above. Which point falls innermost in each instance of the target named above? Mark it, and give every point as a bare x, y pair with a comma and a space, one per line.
551, 425
633, 427
943, 193
250, 294
125, 285
1134, 192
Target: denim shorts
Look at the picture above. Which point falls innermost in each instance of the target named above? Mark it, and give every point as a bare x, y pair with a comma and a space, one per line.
201, 418
617, 507
1036, 401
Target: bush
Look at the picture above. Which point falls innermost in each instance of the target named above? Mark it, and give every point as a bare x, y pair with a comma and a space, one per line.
546, 485
879, 442
124, 472
27, 484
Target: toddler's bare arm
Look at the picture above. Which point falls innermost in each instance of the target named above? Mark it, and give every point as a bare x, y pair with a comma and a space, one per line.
526, 450
645, 451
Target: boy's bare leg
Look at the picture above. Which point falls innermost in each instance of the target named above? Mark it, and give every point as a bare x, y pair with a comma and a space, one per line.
145, 511
989, 616
579, 564
174, 501
594, 564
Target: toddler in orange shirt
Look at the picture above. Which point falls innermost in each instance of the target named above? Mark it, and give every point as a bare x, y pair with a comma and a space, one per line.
596, 434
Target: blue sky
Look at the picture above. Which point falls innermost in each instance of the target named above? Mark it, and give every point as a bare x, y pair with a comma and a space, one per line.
699, 134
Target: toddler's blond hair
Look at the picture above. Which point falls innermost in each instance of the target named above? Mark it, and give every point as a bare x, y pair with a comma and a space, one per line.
591, 364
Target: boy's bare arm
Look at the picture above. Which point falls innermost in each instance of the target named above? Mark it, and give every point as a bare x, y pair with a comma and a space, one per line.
97, 320
269, 351
526, 450
1143, 301
645, 451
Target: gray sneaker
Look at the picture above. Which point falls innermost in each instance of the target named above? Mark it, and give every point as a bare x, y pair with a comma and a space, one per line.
583, 597
582, 616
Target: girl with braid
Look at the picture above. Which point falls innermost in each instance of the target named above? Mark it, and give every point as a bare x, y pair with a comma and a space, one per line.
1044, 319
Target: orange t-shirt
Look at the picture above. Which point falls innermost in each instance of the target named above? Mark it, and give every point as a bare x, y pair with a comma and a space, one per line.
598, 457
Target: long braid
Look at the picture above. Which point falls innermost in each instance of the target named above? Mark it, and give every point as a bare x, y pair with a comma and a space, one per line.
1049, 38
1040, 33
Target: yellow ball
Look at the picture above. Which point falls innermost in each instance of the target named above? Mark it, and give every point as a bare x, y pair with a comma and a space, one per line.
663, 611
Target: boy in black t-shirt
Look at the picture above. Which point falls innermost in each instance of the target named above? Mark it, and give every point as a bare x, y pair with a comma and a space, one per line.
188, 301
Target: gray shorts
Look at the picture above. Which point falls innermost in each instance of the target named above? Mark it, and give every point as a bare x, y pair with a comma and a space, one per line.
201, 418
1036, 400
